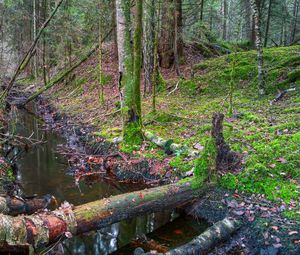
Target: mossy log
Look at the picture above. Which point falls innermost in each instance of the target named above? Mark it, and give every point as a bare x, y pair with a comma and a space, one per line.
41, 229
173, 147
203, 243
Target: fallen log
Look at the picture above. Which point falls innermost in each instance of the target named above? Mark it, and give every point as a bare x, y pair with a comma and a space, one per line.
60, 77
39, 230
173, 147
203, 243
281, 94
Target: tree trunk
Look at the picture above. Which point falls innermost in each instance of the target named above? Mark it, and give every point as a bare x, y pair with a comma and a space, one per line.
178, 41
149, 28
248, 21
268, 23
295, 19
260, 60
201, 10
166, 42
225, 17
130, 62
45, 228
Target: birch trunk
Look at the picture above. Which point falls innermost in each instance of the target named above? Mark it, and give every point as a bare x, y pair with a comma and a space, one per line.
259, 46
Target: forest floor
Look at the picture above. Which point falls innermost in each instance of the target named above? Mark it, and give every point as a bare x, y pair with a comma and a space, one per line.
266, 191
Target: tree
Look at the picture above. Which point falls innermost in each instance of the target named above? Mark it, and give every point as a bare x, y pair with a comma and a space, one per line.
268, 23
260, 58
130, 61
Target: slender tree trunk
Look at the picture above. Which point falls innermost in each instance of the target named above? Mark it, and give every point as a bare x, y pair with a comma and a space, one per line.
35, 73
201, 10
100, 72
178, 41
268, 23
155, 74
260, 64
114, 34
138, 37
225, 18
248, 21
295, 19
149, 28
44, 54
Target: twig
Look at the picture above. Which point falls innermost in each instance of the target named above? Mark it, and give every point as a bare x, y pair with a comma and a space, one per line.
176, 87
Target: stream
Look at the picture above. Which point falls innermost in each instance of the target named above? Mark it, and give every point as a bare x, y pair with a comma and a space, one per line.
43, 170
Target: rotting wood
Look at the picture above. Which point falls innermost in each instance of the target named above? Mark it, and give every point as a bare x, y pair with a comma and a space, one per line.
17, 205
41, 229
60, 77
214, 235
226, 159
281, 94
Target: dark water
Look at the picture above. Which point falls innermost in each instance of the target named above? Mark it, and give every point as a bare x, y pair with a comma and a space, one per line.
43, 171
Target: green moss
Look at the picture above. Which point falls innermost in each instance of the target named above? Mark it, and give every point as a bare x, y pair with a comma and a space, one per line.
179, 162
292, 214
132, 138
206, 165
294, 75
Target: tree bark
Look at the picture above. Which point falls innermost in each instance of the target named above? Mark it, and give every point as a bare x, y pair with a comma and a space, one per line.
166, 42
45, 228
225, 17
149, 28
260, 59
201, 10
268, 23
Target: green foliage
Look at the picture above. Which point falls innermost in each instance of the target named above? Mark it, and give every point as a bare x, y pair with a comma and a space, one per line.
205, 166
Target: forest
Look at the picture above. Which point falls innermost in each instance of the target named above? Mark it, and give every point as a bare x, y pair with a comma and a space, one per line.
140, 127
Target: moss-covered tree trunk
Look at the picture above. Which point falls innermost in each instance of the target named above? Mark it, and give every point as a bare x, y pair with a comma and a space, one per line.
130, 62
